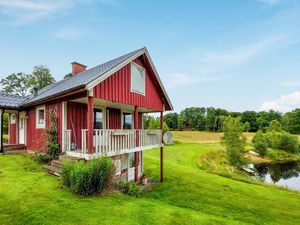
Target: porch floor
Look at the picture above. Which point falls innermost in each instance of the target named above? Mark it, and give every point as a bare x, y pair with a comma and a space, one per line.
14, 148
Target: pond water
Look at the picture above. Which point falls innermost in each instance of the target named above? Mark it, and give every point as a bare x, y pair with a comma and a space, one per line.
283, 174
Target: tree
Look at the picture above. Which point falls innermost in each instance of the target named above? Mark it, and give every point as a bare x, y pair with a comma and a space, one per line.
16, 83
291, 121
68, 75
260, 142
234, 141
250, 117
274, 126
193, 118
171, 120
41, 76
246, 126
264, 119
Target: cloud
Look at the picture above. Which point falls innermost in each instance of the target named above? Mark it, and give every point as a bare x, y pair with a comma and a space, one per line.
180, 79
70, 33
269, 2
290, 83
20, 12
283, 104
212, 62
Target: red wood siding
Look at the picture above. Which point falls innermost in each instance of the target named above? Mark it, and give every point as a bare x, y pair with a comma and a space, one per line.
117, 88
77, 114
114, 119
12, 131
36, 137
141, 121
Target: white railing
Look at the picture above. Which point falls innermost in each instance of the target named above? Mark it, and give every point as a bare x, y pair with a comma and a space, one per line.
114, 142
67, 140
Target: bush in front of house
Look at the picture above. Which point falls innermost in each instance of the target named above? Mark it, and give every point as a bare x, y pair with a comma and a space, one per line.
260, 142
88, 178
130, 188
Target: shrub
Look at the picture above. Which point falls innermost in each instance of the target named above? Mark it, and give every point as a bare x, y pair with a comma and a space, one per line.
234, 140
42, 157
260, 142
288, 142
130, 188
273, 139
274, 125
87, 178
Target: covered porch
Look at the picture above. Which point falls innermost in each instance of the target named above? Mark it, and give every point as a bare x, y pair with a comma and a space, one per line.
93, 128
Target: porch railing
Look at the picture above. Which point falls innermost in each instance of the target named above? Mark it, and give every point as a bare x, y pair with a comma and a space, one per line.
113, 142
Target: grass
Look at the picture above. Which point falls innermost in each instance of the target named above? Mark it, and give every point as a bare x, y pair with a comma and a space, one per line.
190, 195
202, 136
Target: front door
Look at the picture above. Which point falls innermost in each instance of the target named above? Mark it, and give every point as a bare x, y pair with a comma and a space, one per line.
131, 166
21, 128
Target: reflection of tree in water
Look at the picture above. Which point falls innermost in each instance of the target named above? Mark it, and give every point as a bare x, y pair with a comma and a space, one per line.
278, 171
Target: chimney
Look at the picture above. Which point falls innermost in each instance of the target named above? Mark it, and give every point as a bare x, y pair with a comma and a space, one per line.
77, 67
35, 90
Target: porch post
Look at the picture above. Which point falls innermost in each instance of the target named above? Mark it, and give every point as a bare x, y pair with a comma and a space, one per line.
1, 130
161, 149
90, 125
136, 153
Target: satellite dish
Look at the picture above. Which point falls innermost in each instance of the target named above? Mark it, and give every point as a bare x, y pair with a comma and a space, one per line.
168, 138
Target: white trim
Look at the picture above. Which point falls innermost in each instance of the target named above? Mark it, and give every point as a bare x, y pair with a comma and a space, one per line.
64, 120
37, 125
91, 92
13, 120
22, 114
131, 80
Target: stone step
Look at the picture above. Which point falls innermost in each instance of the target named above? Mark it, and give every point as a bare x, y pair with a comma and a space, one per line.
69, 158
17, 151
52, 170
14, 147
57, 163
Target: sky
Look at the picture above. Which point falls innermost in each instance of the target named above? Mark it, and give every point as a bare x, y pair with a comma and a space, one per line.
233, 54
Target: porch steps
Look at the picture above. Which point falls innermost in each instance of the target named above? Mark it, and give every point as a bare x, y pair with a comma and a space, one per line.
55, 166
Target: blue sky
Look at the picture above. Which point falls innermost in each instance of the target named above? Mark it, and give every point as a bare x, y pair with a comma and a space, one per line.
233, 54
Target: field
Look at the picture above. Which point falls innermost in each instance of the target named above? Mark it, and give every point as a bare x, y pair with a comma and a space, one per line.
190, 195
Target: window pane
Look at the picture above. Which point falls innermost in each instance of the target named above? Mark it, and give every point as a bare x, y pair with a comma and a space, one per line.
98, 119
127, 121
41, 116
137, 79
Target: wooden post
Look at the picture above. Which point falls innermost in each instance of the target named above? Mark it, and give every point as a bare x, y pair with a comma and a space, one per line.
161, 149
136, 153
90, 125
1, 130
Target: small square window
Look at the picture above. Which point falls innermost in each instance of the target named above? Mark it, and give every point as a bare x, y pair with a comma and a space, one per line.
40, 117
137, 79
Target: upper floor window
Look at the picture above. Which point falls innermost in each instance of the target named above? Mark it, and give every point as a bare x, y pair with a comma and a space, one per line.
40, 117
137, 79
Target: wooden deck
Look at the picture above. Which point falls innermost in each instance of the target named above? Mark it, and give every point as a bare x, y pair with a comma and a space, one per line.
14, 148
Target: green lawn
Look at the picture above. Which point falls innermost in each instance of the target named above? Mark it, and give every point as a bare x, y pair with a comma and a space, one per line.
188, 196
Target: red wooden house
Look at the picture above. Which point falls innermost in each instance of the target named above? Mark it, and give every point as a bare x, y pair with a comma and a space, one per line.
99, 110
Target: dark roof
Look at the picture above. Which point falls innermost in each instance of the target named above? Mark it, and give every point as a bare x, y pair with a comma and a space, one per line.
11, 101
79, 80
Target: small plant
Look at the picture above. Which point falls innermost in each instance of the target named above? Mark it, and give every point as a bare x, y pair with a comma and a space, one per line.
130, 188
42, 157
88, 178
260, 142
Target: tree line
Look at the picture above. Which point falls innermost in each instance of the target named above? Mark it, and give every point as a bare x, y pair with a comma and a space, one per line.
212, 119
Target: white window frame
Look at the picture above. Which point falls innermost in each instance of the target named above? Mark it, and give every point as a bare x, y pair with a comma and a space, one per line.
40, 126
131, 80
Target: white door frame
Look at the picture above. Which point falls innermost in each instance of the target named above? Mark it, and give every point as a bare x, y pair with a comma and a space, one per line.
22, 136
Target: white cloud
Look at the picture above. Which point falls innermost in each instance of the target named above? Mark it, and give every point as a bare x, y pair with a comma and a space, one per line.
283, 104
20, 12
212, 62
180, 79
70, 33
270, 2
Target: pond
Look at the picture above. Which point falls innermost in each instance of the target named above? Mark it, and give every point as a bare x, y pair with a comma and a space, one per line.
282, 174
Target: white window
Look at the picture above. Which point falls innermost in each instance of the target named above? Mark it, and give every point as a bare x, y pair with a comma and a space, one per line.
137, 79
40, 117
13, 119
